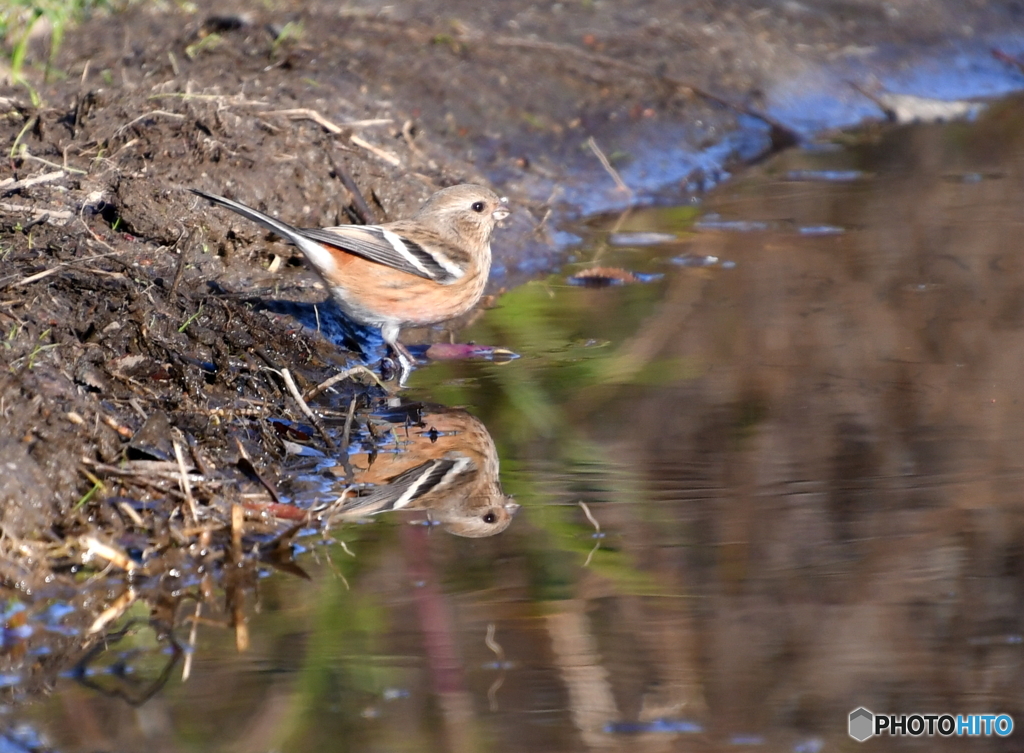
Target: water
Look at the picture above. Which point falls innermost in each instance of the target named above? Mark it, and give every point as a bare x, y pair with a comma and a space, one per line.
770, 475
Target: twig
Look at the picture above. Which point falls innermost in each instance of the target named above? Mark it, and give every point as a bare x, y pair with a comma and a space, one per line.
388, 157
51, 216
359, 205
340, 377
151, 114
608, 167
346, 462
407, 127
305, 113
493, 645
115, 610
183, 258
348, 424
238, 100
249, 468
10, 185
131, 514
499, 653
32, 158
47, 272
186, 669
237, 529
186, 487
597, 530
95, 547
290, 384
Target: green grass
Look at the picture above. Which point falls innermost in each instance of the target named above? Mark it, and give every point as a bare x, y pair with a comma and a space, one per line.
20, 18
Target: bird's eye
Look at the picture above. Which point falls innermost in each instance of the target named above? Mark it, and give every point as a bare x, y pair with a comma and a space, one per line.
478, 206
490, 517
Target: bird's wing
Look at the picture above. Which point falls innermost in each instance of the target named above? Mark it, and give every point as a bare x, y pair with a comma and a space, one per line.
407, 488
383, 246
371, 242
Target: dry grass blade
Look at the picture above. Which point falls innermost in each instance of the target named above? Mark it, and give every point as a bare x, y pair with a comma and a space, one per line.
10, 185
95, 548
341, 377
52, 216
297, 396
608, 167
186, 487
499, 653
114, 611
327, 125
597, 531
376, 151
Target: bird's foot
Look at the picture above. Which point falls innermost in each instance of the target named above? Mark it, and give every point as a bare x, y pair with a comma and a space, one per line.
399, 364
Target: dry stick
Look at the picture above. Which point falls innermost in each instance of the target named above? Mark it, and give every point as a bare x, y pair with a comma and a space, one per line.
186, 669
31, 157
346, 462
608, 167
388, 157
246, 465
407, 135
40, 215
889, 112
150, 114
186, 487
499, 653
183, 257
290, 384
114, 611
320, 120
237, 601
131, 514
306, 114
348, 424
11, 185
222, 100
47, 272
597, 528
117, 558
358, 202
340, 377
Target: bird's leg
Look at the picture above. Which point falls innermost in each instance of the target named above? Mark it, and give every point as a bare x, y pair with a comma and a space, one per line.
405, 359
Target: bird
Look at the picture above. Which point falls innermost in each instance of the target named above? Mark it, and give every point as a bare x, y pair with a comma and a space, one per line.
419, 271
445, 464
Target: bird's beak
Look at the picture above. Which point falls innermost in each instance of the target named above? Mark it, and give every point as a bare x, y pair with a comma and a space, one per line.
501, 213
511, 507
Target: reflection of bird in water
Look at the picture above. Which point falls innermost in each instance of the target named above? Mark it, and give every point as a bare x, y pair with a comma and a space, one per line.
447, 465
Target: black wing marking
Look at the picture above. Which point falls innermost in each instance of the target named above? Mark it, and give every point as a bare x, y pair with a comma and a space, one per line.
371, 243
404, 490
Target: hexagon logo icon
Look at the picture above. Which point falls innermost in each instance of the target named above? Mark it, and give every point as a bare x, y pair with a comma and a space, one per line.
862, 724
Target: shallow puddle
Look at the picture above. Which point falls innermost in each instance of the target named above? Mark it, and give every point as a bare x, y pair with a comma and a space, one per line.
768, 450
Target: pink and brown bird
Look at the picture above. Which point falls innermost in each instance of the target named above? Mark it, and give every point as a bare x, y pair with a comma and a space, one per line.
419, 271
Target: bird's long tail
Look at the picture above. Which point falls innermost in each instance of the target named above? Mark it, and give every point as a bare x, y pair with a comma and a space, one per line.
286, 231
